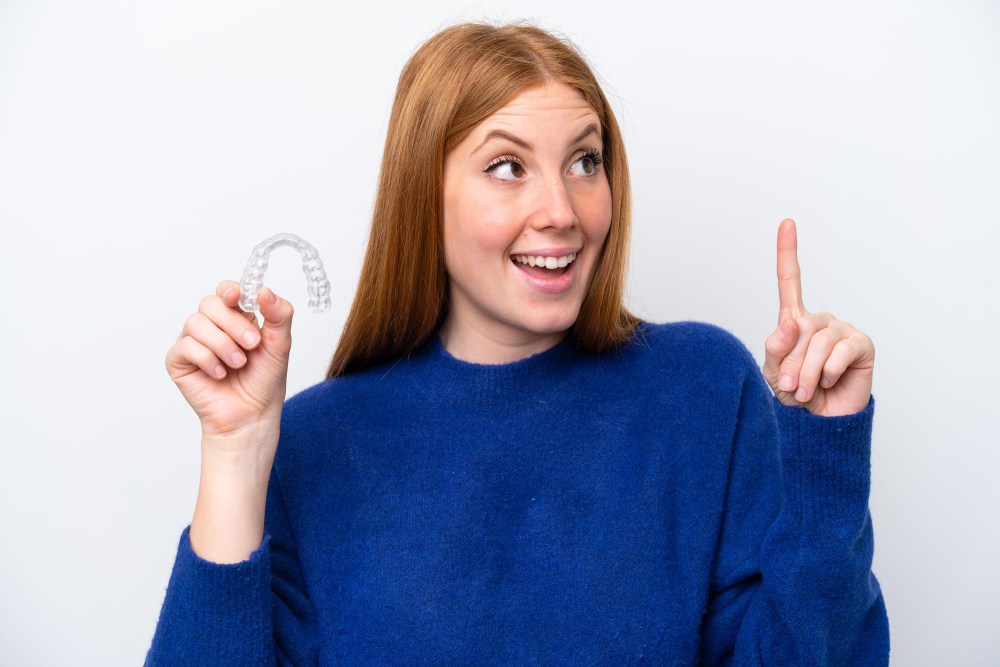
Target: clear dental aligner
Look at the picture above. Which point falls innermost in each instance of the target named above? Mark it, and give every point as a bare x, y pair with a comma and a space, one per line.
312, 266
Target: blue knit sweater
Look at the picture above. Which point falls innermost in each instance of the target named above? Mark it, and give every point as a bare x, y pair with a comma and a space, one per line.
655, 506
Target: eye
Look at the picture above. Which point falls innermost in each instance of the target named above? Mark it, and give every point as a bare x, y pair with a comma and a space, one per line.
506, 165
511, 168
590, 162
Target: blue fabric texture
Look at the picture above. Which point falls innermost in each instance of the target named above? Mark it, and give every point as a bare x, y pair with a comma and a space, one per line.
653, 506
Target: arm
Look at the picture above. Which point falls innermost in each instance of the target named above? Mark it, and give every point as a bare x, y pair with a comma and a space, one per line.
254, 612
792, 581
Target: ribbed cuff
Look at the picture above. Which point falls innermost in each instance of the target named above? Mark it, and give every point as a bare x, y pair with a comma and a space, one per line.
223, 584
215, 613
826, 467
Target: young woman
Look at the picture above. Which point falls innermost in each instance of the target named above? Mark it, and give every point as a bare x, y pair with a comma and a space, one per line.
504, 466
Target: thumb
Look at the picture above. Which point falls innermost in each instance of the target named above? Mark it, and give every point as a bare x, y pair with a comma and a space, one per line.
778, 346
276, 331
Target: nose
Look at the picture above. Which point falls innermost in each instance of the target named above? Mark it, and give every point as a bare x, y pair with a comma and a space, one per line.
554, 209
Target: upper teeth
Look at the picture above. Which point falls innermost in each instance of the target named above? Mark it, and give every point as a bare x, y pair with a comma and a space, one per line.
547, 262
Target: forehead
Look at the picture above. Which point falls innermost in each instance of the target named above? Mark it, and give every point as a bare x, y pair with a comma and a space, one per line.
551, 102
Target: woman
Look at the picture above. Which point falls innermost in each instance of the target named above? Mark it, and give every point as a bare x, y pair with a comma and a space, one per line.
504, 466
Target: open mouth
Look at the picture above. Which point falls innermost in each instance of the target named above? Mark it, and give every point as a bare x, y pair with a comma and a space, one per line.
546, 268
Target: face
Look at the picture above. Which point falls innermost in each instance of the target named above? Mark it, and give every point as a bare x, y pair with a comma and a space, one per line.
527, 207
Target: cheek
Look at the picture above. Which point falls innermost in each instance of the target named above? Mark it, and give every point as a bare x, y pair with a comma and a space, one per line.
596, 214
484, 228
475, 246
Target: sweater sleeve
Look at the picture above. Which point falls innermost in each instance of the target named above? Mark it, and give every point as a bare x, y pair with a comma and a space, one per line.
255, 612
792, 581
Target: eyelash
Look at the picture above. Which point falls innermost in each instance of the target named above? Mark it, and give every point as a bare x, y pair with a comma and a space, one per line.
593, 154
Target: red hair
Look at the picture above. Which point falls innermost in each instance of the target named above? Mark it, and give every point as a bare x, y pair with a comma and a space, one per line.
452, 83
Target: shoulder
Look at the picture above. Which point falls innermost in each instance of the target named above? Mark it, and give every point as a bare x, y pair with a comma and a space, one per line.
690, 342
678, 361
696, 363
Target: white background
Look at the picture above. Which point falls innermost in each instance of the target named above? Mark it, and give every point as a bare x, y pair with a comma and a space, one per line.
146, 147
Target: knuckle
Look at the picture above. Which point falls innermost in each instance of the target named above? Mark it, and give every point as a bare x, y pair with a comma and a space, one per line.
825, 339
789, 367
185, 351
832, 369
844, 344
806, 324
842, 329
867, 344
207, 302
192, 322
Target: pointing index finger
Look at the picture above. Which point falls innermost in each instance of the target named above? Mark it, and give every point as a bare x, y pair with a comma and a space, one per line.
789, 275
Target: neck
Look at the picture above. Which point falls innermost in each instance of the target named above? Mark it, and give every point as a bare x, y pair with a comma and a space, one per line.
468, 343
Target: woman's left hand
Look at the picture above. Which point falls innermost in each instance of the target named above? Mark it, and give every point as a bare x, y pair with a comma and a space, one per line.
813, 360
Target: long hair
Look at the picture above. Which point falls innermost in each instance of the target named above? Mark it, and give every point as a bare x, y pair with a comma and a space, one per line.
453, 82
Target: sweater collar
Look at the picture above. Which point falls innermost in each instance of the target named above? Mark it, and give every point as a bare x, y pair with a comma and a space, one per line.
488, 382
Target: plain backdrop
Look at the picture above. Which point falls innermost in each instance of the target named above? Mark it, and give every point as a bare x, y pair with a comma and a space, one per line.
146, 147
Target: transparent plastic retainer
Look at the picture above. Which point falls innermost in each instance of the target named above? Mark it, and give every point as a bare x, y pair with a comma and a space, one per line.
312, 266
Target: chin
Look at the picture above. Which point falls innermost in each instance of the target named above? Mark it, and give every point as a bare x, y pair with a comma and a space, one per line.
556, 322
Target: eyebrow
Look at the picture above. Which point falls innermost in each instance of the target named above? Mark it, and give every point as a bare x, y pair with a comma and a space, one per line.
500, 134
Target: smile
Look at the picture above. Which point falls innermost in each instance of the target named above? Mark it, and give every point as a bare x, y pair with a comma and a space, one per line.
547, 262
547, 274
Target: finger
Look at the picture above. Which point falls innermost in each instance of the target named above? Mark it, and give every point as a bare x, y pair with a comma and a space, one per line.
844, 355
821, 345
777, 346
188, 355
838, 362
205, 331
808, 325
277, 313
230, 320
789, 274
229, 292
226, 293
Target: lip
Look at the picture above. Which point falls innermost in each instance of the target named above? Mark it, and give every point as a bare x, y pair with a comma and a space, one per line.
555, 285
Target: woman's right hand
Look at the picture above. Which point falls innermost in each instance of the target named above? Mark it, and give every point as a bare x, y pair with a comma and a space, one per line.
233, 372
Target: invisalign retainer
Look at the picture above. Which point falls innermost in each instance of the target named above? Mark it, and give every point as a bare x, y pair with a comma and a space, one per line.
312, 266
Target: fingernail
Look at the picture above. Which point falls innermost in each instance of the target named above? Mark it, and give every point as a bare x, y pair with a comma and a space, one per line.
219, 372
230, 293
800, 395
237, 358
785, 383
251, 338
272, 298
